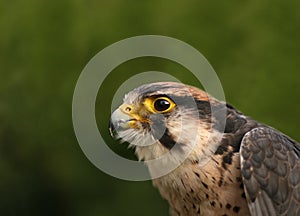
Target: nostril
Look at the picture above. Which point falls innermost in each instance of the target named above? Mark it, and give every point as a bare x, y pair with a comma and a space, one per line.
128, 109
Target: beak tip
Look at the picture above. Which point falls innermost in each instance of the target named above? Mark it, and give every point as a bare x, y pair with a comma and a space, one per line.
112, 129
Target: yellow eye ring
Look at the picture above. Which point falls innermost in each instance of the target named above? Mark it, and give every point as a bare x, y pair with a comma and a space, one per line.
159, 105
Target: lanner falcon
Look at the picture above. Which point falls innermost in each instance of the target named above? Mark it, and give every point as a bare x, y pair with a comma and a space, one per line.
253, 169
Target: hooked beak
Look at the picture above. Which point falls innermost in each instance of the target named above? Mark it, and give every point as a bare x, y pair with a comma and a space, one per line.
123, 118
120, 121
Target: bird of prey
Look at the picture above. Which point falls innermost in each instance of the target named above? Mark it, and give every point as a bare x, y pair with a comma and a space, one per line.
253, 169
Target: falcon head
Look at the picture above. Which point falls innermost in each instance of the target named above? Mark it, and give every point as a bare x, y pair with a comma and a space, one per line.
161, 117
220, 164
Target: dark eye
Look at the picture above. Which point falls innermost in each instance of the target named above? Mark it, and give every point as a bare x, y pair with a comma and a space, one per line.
161, 105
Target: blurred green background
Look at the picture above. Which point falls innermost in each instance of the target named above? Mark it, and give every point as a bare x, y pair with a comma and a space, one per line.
44, 45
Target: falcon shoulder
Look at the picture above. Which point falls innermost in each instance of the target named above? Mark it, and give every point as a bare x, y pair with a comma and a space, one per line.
270, 169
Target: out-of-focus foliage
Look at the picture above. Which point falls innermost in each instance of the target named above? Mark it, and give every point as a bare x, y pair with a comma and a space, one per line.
253, 46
